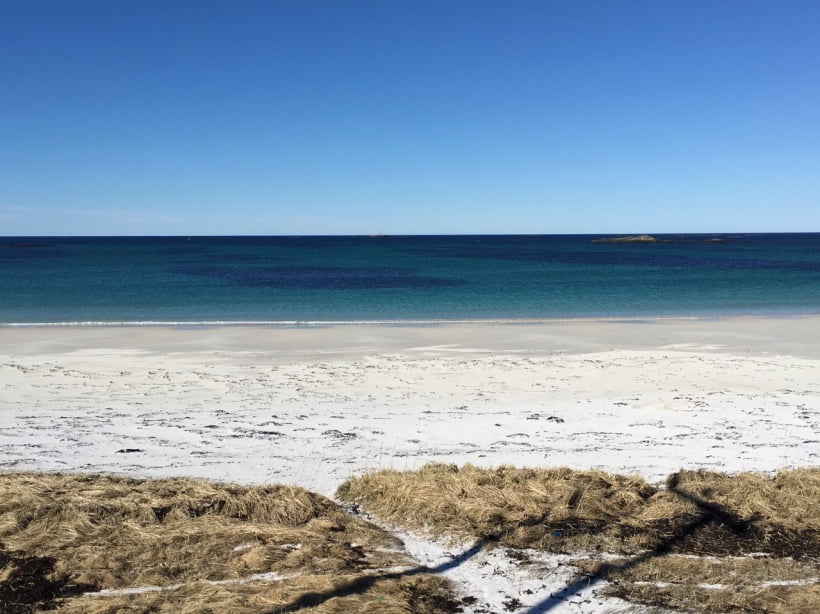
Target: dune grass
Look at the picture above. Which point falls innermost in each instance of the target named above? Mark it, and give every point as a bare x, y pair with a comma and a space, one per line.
706, 541
720, 584
755, 538
211, 547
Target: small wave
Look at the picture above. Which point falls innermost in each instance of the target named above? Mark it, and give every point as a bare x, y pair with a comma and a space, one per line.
379, 322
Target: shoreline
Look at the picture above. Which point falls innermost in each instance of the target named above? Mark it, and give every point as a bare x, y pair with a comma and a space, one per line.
794, 335
709, 316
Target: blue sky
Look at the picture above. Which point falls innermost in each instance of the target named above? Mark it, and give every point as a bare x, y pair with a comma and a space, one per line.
357, 117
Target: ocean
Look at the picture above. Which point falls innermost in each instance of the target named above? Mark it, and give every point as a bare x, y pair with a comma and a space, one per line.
294, 280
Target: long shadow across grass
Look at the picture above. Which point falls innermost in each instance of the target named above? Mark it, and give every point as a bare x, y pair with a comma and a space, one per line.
363, 583
709, 513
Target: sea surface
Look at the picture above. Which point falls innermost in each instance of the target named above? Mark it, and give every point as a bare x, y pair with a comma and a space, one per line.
291, 280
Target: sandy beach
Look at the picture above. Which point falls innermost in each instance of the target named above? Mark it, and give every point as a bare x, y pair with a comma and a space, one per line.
313, 406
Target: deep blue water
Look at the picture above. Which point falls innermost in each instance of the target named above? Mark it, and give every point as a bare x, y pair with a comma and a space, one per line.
286, 279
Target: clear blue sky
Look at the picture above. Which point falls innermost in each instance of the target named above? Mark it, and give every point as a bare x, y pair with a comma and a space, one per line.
408, 117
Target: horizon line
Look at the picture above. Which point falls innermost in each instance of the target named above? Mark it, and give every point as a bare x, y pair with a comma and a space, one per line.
404, 235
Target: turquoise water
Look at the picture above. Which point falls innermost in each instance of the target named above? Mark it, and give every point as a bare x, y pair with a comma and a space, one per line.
330, 279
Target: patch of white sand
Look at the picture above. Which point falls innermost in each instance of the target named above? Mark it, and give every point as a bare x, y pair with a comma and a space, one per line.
518, 581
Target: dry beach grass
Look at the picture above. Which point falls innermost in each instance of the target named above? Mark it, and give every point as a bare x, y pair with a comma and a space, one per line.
213, 547
755, 539
713, 584
704, 542
566, 510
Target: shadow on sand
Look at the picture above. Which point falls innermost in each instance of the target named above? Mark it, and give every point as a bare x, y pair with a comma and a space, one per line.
708, 513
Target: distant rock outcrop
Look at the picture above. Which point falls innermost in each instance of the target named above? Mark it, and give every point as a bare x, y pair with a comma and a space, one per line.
627, 239
651, 239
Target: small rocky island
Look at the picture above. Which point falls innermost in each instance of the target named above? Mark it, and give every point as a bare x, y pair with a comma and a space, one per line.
627, 239
651, 239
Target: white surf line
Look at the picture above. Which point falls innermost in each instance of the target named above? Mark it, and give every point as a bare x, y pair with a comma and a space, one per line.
268, 576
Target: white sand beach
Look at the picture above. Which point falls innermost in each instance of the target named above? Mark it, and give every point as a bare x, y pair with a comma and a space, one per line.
313, 406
